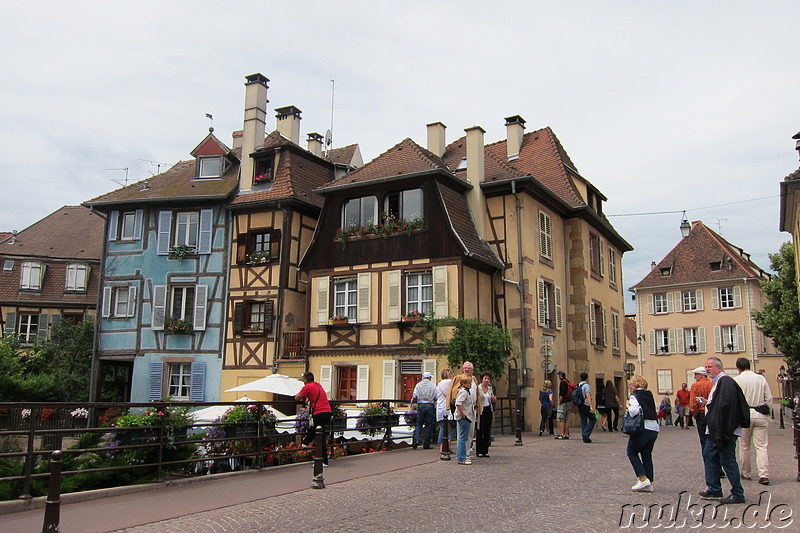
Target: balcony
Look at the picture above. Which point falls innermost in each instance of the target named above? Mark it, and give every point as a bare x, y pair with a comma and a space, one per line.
293, 345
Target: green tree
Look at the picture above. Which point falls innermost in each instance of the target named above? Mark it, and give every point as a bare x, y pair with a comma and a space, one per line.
780, 317
488, 347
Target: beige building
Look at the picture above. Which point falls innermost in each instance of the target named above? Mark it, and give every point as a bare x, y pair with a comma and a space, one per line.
790, 209
696, 303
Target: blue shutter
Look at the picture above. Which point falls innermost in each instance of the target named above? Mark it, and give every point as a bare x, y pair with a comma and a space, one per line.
44, 322
206, 230
156, 381
197, 391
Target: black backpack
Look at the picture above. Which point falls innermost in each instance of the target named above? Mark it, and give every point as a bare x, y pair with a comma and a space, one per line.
578, 397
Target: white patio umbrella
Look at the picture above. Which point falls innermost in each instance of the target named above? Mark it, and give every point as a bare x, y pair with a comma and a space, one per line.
209, 414
275, 383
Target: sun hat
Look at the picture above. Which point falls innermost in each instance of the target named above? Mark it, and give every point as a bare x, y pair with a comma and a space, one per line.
426, 375
699, 370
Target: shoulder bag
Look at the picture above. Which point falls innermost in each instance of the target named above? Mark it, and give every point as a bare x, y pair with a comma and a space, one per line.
633, 424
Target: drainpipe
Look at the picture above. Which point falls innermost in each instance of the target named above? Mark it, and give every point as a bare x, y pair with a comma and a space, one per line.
520, 285
279, 307
750, 328
95, 367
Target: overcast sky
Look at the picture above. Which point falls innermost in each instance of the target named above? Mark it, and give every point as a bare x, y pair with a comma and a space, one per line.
664, 106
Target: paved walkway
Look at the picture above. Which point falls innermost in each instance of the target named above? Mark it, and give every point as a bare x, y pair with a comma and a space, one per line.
543, 485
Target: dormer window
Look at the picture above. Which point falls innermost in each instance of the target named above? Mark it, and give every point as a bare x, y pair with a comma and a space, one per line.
716, 265
32, 276
666, 271
462, 165
263, 171
209, 167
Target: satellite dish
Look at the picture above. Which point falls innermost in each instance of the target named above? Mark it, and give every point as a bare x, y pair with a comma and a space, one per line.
328, 138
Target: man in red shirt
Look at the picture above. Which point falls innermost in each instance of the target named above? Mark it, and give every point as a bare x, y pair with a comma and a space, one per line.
319, 407
683, 400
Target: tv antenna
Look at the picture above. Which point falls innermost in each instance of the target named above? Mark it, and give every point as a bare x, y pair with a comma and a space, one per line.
156, 164
329, 134
719, 224
117, 181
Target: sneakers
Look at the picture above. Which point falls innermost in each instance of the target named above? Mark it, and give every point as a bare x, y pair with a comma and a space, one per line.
587, 440
708, 495
764, 480
745, 476
640, 486
467, 462
562, 437
732, 499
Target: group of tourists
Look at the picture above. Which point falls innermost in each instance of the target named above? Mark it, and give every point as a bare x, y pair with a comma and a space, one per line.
726, 410
683, 417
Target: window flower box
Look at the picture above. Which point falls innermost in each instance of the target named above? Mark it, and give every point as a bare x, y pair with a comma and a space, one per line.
181, 251
178, 326
339, 319
258, 258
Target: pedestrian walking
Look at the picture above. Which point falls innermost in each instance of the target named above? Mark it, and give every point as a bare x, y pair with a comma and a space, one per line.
666, 408
698, 395
484, 412
465, 417
756, 391
425, 397
682, 407
612, 405
547, 407
640, 446
564, 405
586, 409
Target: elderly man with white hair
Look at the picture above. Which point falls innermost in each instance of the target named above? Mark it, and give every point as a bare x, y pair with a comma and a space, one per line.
425, 394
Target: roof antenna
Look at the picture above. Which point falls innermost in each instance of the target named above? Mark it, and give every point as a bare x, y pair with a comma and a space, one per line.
719, 224
329, 134
157, 164
117, 181
210, 117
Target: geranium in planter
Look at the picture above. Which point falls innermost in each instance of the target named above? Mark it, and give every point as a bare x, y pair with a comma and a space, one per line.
339, 319
178, 326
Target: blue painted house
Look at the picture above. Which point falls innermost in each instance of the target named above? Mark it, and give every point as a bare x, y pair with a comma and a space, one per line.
164, 277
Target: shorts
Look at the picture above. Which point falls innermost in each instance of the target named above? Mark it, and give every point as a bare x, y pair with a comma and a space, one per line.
563, 411
684, 410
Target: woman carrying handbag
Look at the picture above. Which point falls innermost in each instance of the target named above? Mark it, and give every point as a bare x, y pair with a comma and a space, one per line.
641, 424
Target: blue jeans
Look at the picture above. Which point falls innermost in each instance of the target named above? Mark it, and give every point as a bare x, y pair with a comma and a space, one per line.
724, 457
642, 445
587, 420
464, 425
452, 429
426, 415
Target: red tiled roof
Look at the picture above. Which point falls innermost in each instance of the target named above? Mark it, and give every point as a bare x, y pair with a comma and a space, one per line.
72, 232
690, 261
5, 235
343, 155
461, 218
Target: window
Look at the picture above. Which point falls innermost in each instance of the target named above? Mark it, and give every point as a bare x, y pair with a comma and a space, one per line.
182, 303
125, 225
28, 326
716, 265
419, 292
545, 235
186, 227
262, 171
77, 277
128, 224
360, 212
345, 298
726, 298
660, 303
550, 310
729, 338
257, 315
664, 378
119, 301
210, 167
253, 317
666, 271
404, 205
689, 301
596, 256
691, 341
258, 247
347, 389
8, 265
612, 266
662, 341
180, 381
32, 276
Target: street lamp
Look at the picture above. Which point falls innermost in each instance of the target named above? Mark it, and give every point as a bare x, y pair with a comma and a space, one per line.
782, 384
686, 228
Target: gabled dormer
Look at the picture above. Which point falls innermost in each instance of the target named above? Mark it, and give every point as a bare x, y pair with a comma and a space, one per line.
212, 158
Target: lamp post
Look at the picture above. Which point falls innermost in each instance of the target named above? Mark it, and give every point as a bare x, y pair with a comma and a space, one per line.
782, 386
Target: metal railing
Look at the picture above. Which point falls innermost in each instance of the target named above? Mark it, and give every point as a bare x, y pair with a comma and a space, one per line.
293, 344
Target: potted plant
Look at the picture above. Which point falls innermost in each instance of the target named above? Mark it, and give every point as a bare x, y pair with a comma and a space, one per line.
693, 348
181, 251
665, 349
243, 421
262, 178
410, 417
413, 316
374, 418
178, 326
145, 426
258, 258
339, 319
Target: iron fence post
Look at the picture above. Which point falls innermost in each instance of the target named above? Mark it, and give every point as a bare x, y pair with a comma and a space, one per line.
318, 480
445, 454
52, 510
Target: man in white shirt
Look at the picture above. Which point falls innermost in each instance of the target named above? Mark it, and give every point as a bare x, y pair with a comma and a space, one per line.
759, 398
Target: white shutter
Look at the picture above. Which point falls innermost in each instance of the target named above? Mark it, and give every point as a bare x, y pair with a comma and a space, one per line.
540, 288
714, 298
159, 305
200, 305
680, 336
364, 294
670, 303
671, 341
429, 365
362, 385
131, 311
137, 224
323, 285
326, 378
737, 296
740, 338
652, 337
601, 245
559, 311
717, 339
650, 307
113, 222
105, 312
388, 380
592, 324
605, 325
164, 224
440, 308
545, 236
206, 231
679, 305
393, 297
701, 340
699, 294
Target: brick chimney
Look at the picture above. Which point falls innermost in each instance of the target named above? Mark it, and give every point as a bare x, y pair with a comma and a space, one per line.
255, 120
289, 123
475, 175
436, 138
315, 143
515, 130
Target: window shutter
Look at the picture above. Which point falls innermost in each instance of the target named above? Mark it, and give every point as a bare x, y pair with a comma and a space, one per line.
670, 303
602, 254
671, 341
364, 293
323, 284
55, 321
159, 306
393, 279
605, 325
717, 339
592, 324
388, 392
545, 236
241, 248
164, 223
105, 312
680, 336
200, 305
652, 337
238, 318
701, 340
138, 219
679, 306
429, 365
737, 296
206, 230
362, 385
714, 298
740, 338
325, 378
113, 221
540, 288
699, 294
131, 301
650, 307
11, 323
197, 388
156, 381
44, 322
269, 315
559, 311
615, 330
440, 308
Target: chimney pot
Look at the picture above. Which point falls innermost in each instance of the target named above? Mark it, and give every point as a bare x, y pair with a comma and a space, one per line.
315, 143
288, 123
515, 131
436, 138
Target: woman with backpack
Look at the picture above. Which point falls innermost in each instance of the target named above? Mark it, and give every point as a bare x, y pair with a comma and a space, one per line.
546, 399
640, 445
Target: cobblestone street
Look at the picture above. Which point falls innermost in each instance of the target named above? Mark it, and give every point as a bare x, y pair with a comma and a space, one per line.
541, 486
